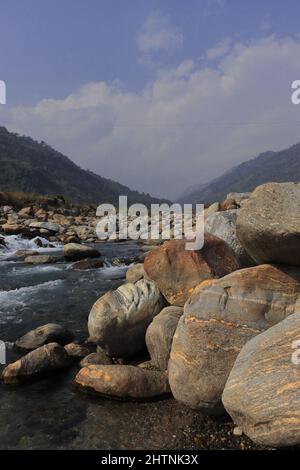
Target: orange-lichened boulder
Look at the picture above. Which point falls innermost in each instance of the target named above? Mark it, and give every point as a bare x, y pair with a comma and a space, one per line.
177, 271
118, 381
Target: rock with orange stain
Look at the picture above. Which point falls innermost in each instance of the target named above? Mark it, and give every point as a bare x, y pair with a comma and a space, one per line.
218, 320
262, 394
42, 361
176, 271
118, 381
119, 319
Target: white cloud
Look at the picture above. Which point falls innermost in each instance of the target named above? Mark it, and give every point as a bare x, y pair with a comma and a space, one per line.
157, 34
186, 126
219, 50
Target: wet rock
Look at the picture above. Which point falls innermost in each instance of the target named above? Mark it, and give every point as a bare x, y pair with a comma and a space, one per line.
159, 335
268, 224
87, 264
76, 252
223, 225
42, 361
98, 357
123, 381
49, 333
135, 273
20, 255
177, 271
262, 394
43, 259
119, 319
219, 319
77, 351
41, 243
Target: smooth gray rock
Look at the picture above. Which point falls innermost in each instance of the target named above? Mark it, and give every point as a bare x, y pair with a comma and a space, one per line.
159, 335
268, 224
119, 319
223, 225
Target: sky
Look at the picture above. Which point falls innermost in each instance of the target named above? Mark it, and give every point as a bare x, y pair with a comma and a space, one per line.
156, 94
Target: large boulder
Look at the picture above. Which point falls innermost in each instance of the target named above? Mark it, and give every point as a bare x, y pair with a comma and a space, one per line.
268, 224
42, 361
118, 381
159, 335
49, 333
119, 319
177, 271
223, 225
219, 319
76, 252
262, 394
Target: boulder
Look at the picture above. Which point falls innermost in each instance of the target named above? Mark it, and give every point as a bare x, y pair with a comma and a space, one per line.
50, 226
42, 361
135, 273
262, 394
86, 264
219, 319
215, 207
14, 229
117, 381
268, 224
159, 335
238, 198
76, 252
43, 259
25, 213
77, 351
119, 319
22, 254
223, 225
49, 333
177, 271
98, 357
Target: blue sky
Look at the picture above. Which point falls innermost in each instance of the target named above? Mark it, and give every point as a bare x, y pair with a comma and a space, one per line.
129, 88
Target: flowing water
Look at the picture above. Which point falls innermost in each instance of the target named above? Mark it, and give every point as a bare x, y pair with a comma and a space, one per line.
52, 413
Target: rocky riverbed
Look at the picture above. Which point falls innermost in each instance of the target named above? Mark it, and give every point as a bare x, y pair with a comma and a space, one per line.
130, 346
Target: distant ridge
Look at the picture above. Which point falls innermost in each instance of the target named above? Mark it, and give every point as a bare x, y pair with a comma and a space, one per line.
268, 166
35, 167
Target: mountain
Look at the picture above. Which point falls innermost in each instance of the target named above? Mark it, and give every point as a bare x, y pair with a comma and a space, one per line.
268, 166
35, 167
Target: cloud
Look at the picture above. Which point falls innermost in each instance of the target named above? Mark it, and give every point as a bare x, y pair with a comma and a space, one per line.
158, 34
219, 49
188, 125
